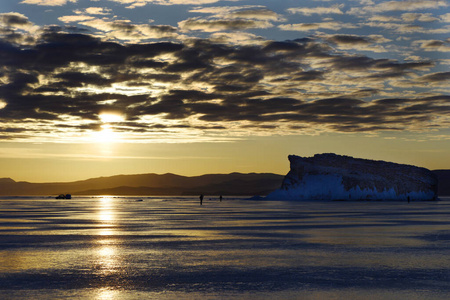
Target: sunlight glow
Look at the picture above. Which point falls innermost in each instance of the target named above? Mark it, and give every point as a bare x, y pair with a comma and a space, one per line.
111, 118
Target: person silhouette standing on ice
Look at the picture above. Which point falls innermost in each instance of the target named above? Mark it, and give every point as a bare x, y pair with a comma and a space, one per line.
201, 199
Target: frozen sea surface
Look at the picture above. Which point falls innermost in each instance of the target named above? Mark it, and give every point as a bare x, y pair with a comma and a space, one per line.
173, 248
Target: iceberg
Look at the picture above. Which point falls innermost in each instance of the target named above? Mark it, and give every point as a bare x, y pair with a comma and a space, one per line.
336, 177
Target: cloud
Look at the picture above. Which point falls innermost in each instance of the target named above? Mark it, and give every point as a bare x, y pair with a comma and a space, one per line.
331, 25
223, 10
85, 14
394, 6
433, 45
409, 5
193, 87
125, 30
361, 43
235, 18
98, 11
254, 12
214, 25
307, 11
436, 77
384, 19
75, 18
15, 20
139, 3
387, 15
16, 28
413, 17
48, 2
445, 18
257, 14
407, 28
237, 38
354, 39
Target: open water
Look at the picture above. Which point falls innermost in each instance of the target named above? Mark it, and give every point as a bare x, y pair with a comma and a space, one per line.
173, 248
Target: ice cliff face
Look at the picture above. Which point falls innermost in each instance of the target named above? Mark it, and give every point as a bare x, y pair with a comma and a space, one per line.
335, 177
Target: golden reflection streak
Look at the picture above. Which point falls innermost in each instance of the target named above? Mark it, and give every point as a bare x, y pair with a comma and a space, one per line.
107, 257
106, 294
106, 213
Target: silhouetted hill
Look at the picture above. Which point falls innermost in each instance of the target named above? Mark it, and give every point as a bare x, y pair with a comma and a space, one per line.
6, 180
152, 184
444, 182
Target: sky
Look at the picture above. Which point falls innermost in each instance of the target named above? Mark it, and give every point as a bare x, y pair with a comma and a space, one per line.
94, 88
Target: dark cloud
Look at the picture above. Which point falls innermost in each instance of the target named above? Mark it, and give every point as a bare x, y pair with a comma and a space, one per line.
396, 66
78, 79
162, 77
13, 19
386, 75
203, 85
349, 39
275, 46
368, 63
189, 95
436, 77
309, 76
212, 25
433, 44
259, 14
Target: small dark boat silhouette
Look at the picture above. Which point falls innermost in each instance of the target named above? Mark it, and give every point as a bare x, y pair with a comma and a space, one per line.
66, 196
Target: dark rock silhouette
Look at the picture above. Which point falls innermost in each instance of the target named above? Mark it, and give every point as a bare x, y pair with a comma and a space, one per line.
336, 177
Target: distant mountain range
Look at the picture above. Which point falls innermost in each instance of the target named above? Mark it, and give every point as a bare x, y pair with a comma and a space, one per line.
169, 184
152, 184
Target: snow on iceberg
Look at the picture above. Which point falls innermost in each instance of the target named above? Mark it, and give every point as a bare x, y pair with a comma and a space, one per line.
335, 177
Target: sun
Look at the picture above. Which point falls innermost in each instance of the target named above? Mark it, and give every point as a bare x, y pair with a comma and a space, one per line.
107, 134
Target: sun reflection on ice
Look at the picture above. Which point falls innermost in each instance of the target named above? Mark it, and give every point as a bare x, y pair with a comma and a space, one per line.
106, 212
108, 260
107, 294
